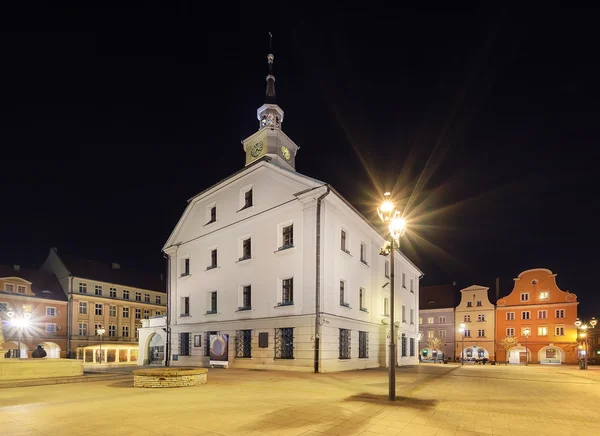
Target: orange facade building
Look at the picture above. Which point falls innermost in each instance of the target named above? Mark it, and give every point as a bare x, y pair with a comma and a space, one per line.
537, 304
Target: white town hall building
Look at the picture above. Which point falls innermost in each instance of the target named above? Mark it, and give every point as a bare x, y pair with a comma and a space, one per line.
284, 266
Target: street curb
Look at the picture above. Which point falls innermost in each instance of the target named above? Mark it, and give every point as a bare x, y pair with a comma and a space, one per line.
62, 380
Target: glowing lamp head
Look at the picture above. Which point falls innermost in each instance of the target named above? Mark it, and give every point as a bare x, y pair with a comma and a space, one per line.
462, 325
397, 226
20, 322
593, 321
578, 323
526, 332
10, 314
100, 331
582, 335
584, 327
387, 209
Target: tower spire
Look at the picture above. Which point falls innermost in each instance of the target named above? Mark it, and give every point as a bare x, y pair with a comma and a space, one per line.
270, 94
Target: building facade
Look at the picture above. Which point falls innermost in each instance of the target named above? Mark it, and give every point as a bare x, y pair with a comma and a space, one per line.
38, 298
538, 305
285, 267
103, 296
436, 319
478, 314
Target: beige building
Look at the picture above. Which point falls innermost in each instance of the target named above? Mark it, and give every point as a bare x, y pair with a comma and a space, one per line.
477, 313
105, 296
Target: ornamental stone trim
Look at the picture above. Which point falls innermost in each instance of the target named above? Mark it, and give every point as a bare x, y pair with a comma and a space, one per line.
169, 377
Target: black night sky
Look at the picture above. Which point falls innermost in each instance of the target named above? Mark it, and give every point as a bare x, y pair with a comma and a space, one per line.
112, 118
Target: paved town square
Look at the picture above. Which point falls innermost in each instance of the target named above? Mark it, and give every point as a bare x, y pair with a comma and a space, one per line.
432, 400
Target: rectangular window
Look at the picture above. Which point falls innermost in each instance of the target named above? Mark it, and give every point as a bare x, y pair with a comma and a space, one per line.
96, 328
213, 258
112, 311
430, 320
50, 328
113, 292
248, 200
247, 297
146, 313
412, 289
83, 329
481, 317
403, 313
9, 287
525, 315
525, 296
83, 307
83, 288
21, 289
560, 313
343, 294
363, 253
138, 296
481, 333
344, 345
287, 297
146, 298
343, 241
185, 306
186, 267
551, 353
510, 316
213, 214
284, 343
430, 334
125, 331
213, 302
412, 316
112, 330
98, 290
469, 304
510, 332
479, 303
404, 280
125, 294
404, 346
386, 306
243, 344
468, 333
184, 344
412, 347
98, 309
544, 295
263, 340
542, 331
442, 334
467, 318
387, 269
363, 345
542, 314
287, 237
138, 313
559, 331
442, 320
126, 312
158, 299
362, 299
50, 311
246, 249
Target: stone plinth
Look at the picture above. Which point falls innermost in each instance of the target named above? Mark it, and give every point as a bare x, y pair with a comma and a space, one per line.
28, 369
169, 377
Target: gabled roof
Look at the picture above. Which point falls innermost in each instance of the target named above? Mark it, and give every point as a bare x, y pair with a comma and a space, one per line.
437, 297
43, 285
104, 272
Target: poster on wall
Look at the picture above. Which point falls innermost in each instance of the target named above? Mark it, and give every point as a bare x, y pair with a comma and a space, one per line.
219, 350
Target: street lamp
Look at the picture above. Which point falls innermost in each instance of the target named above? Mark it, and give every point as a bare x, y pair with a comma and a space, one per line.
20, 322
462, 330
100, 332
583, 326
526, 334
397, 226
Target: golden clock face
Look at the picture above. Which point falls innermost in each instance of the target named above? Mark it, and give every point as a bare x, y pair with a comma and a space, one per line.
256, 149
285, 152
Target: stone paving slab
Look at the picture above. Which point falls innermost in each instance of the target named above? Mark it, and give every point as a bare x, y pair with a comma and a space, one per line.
432, 400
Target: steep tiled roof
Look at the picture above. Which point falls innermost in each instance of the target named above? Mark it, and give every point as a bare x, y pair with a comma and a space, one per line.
438, 297
105, 272
43, 285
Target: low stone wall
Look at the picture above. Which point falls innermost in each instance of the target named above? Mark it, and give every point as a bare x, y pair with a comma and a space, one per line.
29, 369
169, 377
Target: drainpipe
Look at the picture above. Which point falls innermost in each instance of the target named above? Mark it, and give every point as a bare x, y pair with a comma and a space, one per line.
318, 282
69, 316
168, 344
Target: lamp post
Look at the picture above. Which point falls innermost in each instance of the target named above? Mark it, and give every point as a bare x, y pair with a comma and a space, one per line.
526, 333
583, 326
20, 322
462, 351
100, 332
397, 226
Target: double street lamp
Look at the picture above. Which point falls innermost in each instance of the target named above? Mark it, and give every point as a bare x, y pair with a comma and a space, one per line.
396, 226
20, 323
526, 333
582, 332
462, 331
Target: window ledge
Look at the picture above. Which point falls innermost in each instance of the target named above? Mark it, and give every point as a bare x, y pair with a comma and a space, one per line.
245, 309
184, 315
244, 259
284, 305
210, 222
245, 209
345, 305
210, 268
362, 309
344, 360
364, 262
244, 358
346, 252
362, 358
181, 277
285, 249
208, 313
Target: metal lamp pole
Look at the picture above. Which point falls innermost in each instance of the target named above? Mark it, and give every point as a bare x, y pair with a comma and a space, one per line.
462, 351
100, 332
584, 326
526, 333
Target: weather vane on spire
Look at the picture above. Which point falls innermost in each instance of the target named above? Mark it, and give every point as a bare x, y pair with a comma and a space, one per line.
270, 42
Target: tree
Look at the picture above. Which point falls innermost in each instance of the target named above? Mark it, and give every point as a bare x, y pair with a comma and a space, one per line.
507, 343
434, 343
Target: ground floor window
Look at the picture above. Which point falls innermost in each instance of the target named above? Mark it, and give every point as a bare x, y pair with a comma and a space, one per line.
109, 353
469, 352
243, 343
344, 346
412, 347
404, 345
551, 353
363, 345
184, 344
284, 343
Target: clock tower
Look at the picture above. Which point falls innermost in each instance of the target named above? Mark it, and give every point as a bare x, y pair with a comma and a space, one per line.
270, 140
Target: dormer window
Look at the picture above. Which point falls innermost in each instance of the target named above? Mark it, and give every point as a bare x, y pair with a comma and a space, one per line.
544, 295
525, 296
21, 289
9, 287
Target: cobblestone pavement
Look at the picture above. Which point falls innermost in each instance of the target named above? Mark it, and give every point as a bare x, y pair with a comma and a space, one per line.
432, 400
